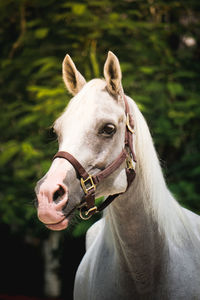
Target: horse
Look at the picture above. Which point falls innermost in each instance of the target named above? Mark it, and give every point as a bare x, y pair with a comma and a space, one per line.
145, 245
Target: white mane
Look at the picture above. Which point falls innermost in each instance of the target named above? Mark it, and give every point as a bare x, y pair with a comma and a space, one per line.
158, 200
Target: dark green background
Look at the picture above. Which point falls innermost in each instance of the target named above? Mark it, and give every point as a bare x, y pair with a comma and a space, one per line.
161, 72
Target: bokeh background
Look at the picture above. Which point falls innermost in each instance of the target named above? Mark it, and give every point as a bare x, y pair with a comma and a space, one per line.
158, 44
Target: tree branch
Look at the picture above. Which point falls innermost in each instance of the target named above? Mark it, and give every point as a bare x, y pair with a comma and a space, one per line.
18, 42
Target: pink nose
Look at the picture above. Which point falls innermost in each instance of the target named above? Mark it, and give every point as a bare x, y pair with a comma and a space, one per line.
52, 199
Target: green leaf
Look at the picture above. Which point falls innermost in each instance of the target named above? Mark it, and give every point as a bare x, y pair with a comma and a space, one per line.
78, 9
147, 70
41, 33
9, 149
175, 88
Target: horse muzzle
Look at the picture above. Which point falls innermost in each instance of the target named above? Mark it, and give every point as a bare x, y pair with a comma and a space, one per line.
52, 199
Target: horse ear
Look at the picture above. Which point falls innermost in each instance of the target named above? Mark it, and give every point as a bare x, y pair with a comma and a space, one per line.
73, 79
112, 74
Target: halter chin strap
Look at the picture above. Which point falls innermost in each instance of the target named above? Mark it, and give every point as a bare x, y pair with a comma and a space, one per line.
89, 182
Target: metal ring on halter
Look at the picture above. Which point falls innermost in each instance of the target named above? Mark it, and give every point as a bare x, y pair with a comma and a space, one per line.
86, 215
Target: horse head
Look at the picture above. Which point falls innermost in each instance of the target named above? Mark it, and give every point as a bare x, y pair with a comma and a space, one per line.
92, 129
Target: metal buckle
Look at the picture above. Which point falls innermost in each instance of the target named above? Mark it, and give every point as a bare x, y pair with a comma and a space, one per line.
129, 163
88, 181
128, 124
85, 215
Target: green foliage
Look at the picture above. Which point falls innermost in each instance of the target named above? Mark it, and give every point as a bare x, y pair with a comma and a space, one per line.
161, 71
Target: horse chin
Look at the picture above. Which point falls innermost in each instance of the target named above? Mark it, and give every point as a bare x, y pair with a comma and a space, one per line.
68, 213
60, 226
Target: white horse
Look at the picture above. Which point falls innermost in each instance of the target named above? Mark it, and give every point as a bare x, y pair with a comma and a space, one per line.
146, 246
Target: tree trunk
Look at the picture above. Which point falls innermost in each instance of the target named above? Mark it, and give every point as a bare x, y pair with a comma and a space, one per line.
52, 284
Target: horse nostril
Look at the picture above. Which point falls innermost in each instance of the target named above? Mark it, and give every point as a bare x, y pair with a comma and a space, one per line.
58, 194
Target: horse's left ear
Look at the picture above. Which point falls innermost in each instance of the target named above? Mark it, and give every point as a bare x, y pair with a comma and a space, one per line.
113, 74
73, 79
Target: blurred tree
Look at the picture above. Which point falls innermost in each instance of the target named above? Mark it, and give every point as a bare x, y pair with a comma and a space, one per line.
158, 44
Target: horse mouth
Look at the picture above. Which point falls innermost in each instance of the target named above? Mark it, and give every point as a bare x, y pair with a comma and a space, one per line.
63, 222
61, 225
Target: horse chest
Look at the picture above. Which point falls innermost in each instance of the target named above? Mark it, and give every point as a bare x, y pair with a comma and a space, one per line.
100, 276
103, 275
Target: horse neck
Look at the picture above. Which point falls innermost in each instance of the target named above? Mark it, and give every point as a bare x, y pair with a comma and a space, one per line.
137, 242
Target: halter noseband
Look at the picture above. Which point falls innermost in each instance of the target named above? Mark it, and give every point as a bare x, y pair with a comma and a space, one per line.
89, 182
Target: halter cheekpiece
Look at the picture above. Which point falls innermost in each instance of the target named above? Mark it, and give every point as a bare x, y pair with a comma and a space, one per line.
89, 182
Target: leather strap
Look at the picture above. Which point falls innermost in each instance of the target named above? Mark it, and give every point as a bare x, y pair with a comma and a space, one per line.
77, 166
82, 173
129, 130
111, 168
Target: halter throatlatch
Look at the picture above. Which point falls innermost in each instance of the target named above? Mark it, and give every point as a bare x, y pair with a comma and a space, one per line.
89, 182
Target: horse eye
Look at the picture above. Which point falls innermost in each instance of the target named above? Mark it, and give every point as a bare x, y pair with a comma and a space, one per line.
108, 130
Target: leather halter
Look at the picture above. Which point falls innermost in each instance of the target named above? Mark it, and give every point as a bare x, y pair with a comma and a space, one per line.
89, 182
